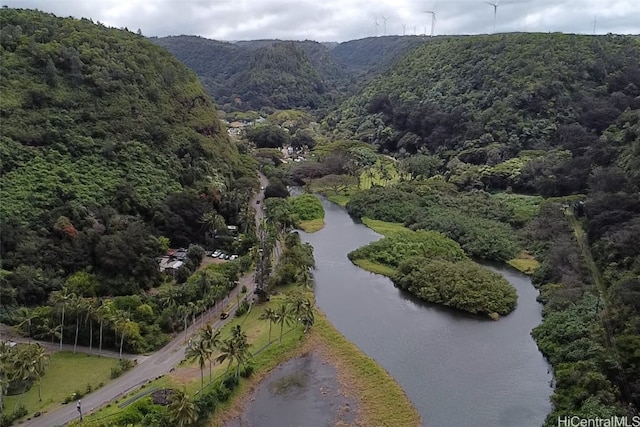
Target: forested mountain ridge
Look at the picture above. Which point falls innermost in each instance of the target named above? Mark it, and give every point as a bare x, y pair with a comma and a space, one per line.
261, 73
108, 143
549, 114
290, 74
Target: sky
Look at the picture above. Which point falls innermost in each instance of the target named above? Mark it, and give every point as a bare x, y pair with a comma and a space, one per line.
343, 20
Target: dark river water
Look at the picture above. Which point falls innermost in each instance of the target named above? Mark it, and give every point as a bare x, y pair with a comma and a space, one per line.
457, 369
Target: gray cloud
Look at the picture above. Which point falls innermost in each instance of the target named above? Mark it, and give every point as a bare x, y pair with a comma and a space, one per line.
341, 20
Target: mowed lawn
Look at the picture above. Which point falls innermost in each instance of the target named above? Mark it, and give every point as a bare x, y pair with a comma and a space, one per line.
66, 373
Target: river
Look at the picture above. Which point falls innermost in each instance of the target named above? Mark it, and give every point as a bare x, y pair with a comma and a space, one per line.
458, 369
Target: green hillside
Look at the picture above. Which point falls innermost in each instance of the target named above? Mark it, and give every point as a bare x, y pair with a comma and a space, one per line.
107, 143
550, 115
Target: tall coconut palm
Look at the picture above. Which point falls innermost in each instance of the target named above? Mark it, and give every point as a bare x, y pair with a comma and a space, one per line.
211, 339
199, 351
121, 325
61, 298
104, 313
270, 315
26, 316
183, 311
39, 361
305, 278
234, 348
51, 328
91, 311
77, 306
284, 318
182, 411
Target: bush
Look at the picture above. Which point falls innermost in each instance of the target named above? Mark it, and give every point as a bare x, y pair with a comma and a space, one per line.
246, 370
242, 308
222, 392
123, 365
230, 382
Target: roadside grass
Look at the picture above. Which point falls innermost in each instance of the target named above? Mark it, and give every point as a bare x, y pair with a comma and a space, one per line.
382, 401
67, 373
524, 262
383, 227
312, 225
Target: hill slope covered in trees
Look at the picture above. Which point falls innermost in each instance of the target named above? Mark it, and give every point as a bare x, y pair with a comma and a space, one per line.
280, 74
549, 114
258, 74
107, 144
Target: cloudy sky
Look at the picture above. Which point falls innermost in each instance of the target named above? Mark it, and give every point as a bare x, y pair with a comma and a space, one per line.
341, 20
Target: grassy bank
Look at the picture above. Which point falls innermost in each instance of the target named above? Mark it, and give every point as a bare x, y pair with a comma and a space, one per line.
383, 402
525, 263
312, 225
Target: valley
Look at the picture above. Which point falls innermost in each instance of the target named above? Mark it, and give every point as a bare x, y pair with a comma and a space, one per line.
449, 157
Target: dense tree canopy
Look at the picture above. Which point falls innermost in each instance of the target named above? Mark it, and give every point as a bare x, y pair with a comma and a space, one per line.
109, 145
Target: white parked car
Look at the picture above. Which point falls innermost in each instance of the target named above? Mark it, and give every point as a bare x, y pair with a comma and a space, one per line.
233, 257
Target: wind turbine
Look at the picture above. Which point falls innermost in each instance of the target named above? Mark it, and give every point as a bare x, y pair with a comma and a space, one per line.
433, 19
404, 29
375, 22
495, 12
433, 22
384, 19
595, 21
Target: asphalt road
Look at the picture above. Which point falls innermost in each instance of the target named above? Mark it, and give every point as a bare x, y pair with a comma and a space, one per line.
157, 364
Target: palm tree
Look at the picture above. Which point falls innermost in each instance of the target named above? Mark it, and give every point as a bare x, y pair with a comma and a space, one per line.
182, 411
270, 315
211, 339
305, 278
306, 315
49, 327
183, 310
26, 316
78, 306
284, 318
61, 298
91, 311
121, 324
104, 313
39, 360
234, 348
198, 350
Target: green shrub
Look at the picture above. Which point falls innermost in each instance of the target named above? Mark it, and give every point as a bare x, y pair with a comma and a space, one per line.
222, 392
246, 370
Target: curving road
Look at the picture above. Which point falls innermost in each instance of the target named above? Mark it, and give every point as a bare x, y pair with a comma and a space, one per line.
157, 364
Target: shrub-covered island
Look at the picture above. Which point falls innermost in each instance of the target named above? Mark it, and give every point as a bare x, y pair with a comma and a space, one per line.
435, 268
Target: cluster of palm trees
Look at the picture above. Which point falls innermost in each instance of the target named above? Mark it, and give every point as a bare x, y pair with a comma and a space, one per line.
297, 308
21, 365
40, 322
209, 347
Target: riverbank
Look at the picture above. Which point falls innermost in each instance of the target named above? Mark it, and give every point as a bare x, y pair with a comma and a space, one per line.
377, 396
